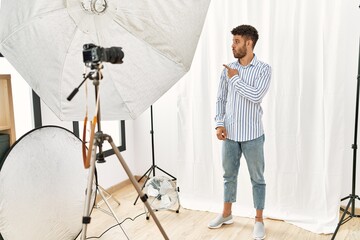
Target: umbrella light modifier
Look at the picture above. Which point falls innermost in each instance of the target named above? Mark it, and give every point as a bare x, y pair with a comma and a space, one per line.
44, 40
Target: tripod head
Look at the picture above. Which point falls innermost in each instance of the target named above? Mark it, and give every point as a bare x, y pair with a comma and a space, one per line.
95, 72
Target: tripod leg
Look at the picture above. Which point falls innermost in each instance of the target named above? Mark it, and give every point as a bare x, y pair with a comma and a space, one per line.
143, 197
173, 178
143, 186
89, 192
146, 173
341, 220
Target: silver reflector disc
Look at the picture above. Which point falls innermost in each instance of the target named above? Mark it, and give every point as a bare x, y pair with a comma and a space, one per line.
42, 186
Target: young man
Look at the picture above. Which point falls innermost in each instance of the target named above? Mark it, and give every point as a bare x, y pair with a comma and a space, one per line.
243, 84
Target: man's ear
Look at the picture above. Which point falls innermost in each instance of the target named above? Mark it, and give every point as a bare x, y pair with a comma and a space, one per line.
249, 43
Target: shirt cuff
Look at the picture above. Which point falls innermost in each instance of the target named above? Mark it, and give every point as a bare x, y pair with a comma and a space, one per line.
219, 124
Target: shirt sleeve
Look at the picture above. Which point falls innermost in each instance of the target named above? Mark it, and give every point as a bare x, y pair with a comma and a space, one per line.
253, 93
221, 100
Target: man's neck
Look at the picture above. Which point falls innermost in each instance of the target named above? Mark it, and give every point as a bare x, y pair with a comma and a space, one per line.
246, 60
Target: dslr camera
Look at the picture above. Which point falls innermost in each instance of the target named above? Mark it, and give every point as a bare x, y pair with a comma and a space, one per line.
96, 54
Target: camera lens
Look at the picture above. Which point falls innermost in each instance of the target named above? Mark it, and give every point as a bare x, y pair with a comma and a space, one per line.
114, 55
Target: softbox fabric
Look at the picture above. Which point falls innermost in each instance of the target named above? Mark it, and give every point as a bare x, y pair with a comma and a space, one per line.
44, 41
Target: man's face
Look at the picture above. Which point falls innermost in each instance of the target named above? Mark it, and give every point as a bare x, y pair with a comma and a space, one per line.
239, 46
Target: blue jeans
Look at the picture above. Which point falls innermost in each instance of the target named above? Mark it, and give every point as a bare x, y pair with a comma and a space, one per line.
254, 155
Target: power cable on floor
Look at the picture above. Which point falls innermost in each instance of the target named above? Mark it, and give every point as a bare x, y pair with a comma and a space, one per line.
128, 218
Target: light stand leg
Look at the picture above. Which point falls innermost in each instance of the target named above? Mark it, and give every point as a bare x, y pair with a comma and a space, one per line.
147, 175
89, 192
143, 197
105, 195
342, 219
109, 207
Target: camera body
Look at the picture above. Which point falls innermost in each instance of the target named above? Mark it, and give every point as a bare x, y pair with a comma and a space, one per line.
96, 54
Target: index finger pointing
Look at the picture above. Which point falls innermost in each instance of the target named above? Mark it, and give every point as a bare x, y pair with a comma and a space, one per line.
226, 66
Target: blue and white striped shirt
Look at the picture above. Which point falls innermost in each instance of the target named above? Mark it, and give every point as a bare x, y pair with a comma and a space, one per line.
238, 100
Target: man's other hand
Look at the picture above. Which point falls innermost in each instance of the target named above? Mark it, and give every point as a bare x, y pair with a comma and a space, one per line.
221, 133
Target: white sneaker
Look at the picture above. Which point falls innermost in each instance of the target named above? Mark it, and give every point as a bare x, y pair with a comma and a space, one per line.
220, 220
259, 231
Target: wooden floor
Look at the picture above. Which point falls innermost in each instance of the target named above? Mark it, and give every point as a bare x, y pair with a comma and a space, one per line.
192, 225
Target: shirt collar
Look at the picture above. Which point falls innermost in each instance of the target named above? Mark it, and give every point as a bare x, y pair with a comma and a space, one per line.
253, 62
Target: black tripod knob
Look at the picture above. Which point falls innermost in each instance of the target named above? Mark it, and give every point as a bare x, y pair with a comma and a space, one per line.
100, 158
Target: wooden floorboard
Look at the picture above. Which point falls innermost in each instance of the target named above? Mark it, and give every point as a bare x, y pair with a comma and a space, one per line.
192, 225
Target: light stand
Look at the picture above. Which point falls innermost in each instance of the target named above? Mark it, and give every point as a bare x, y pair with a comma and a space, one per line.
352, 197
153, 166
99, 138
105, 195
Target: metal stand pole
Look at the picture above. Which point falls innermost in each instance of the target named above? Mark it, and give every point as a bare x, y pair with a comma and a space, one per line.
352, 197
89, 193
153, 166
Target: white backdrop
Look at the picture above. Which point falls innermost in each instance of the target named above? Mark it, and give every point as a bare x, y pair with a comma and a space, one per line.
313, 48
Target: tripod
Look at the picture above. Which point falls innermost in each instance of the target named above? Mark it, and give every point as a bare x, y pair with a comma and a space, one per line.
153, 166
96, 142
352, 197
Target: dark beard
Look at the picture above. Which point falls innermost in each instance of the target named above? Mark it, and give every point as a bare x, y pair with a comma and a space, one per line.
242, 53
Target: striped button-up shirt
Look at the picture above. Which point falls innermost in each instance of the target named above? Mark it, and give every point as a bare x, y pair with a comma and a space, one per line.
238, 106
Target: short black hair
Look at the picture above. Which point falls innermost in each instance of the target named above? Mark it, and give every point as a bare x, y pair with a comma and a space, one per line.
246, 31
